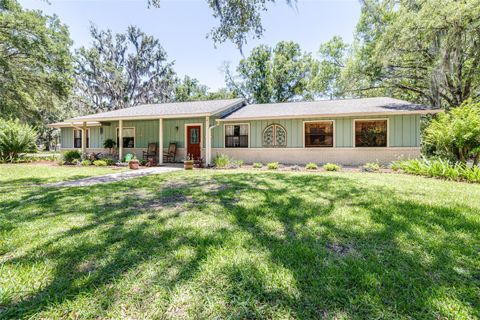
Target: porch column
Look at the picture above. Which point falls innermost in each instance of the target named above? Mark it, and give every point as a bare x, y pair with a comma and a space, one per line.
160, 141
120, 140
84, 138
208, 138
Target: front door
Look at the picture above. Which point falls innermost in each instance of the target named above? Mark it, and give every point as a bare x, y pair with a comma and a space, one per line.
194, 141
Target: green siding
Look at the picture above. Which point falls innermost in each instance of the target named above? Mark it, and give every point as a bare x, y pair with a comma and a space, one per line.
404, 131
172, 134
66, 137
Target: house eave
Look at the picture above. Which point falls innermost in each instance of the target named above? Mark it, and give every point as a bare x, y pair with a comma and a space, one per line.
332, 115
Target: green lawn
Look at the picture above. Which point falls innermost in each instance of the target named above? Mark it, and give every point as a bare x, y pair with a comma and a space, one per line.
231, 244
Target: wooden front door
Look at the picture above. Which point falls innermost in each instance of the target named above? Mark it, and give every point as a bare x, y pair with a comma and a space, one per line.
194, 141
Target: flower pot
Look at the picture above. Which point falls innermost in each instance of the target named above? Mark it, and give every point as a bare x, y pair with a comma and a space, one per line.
133, 164
188, 164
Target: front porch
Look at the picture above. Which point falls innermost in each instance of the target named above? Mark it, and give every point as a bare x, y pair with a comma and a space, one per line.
191, 136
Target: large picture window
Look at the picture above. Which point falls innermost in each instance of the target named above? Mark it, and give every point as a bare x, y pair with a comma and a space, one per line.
274, 135
370, 133
128, 137
319, 134
77, 138
236, 136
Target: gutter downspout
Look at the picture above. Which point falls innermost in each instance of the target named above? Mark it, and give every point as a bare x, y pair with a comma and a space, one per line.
209, 142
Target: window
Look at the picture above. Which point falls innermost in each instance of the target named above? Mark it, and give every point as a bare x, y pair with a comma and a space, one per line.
77, 138
319, 134
128, 137
274, 136
236, 136
370, 133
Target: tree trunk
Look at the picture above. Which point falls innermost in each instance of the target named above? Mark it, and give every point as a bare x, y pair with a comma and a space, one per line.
461, 155
476, 159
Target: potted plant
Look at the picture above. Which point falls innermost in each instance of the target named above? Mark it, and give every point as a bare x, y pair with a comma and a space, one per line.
134, 163
188, 162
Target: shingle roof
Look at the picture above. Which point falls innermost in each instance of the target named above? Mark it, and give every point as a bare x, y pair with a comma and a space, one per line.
364, 106
193, 108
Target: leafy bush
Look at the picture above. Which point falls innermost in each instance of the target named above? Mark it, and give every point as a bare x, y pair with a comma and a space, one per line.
273, 165
311, 166
86, 162
221, 161
109, 144
110, 161
75, 162
100, 163
71, 155
239, 163
438, 168
257, 165
371, 167
332, 167
456, 135
143, 162
16, 138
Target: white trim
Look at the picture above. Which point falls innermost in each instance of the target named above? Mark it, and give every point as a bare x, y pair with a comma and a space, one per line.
72, 124
81, 134
134, 136
317, 121
160, 141
185, 143
371, 119
233, 124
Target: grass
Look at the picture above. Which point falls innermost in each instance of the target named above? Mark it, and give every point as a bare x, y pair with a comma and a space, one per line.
240, 244
32, 174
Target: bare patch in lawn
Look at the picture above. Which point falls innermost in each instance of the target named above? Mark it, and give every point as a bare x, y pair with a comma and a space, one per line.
342, 250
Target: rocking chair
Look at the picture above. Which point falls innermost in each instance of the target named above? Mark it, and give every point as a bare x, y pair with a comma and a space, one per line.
171, 152
151, 151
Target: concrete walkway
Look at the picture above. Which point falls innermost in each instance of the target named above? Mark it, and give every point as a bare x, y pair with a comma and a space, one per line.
113, 177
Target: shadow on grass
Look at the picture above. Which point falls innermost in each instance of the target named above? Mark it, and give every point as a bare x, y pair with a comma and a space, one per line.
351, 250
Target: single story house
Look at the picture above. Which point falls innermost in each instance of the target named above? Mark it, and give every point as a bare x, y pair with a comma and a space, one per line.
348, 132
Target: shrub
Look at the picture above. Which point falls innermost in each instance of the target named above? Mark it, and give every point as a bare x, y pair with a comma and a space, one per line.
100, 163
311, 166
143, 162
75, 162
332, 167
455, 135
70, 156
109, 144
371, 167
257, 165
110, 161
221, 161
16, 138
239, 163
273, 165
86, 162
439, 168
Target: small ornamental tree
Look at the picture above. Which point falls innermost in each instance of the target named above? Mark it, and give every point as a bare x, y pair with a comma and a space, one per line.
16, 138
109, 144
456, 134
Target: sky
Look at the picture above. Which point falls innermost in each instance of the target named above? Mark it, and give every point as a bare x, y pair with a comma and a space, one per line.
182, 26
